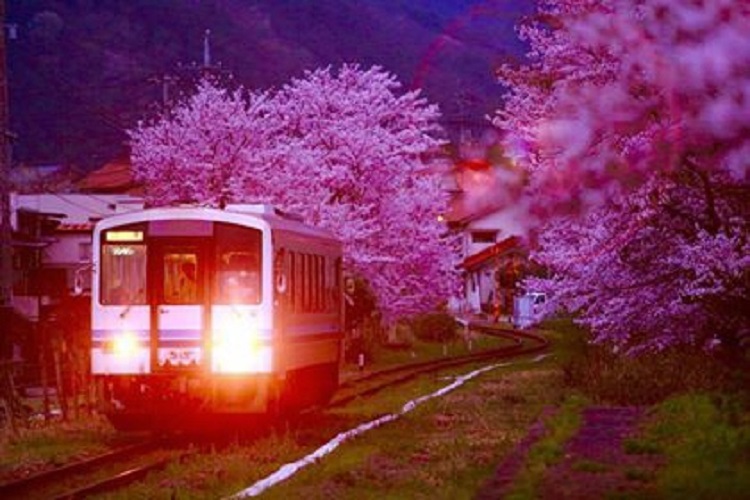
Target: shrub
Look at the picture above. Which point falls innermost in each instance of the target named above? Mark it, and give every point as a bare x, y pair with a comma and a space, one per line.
706, 440
609, 377
434, 327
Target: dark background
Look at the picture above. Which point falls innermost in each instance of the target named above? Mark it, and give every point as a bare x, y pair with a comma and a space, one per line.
83, 71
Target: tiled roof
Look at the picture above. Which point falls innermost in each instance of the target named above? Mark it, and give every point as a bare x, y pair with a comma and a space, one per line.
115, 176
474, 261
74, 228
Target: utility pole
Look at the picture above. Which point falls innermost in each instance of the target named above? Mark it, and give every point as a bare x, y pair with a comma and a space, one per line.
6, 263
206, 49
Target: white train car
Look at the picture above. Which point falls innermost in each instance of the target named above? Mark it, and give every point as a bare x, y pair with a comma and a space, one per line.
199, 311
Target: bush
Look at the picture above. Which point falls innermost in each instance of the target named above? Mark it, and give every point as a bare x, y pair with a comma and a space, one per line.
608, 377
648, 378
434, 327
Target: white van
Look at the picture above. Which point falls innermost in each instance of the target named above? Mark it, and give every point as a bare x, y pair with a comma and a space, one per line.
528, 309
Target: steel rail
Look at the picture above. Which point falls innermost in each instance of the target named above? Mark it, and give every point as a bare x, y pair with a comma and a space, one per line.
413, 370
20, 487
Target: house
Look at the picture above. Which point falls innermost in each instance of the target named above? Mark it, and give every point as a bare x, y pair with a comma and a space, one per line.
52, 243
493, 260
51, 239
493, 254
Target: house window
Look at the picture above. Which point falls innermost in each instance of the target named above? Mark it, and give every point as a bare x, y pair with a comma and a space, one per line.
483, 236
84, 251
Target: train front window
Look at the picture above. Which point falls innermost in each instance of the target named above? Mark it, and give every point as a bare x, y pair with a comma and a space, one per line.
123, 270
238, 265
180, 285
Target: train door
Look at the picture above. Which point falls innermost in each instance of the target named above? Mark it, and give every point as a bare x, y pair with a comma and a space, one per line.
178, 306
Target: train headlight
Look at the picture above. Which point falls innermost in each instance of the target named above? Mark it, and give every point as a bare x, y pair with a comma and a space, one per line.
123, 344
238, 348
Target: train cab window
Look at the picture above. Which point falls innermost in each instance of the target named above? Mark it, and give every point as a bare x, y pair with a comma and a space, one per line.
181, 278
123, 274
238, 266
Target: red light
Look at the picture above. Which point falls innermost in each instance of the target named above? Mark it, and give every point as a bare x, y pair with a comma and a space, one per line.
474, 164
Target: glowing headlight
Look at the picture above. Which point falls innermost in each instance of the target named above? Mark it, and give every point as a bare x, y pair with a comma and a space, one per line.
123, 344
237, 348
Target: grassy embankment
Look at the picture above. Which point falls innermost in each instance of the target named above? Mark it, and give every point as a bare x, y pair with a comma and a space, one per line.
699, 417
449, 447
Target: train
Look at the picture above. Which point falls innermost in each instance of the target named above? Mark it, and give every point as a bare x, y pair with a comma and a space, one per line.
202, 312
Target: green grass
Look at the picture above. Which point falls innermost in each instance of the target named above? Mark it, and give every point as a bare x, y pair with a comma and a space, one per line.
54, 444
706, 441
381, 357
590, 466
608, 377
560, 427
638, 474
444, 449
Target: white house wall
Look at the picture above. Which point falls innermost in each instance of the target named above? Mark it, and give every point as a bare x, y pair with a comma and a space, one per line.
78, 208
66, 250
479, 283
505, 222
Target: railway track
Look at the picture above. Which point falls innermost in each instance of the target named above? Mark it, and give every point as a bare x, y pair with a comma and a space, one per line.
368, 385
99, 474
120, 468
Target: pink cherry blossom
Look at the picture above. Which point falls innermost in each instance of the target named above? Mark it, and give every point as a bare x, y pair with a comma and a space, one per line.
344, 149
633, 117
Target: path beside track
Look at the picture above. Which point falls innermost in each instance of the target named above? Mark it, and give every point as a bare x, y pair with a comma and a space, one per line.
594, 464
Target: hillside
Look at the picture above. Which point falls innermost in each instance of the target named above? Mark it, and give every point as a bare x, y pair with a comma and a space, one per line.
83, 71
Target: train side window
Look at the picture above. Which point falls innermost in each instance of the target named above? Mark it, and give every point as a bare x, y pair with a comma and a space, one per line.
333, 286
315, 282
337, 276
306, 282
238, 265
321, 283
292, 278
300, 285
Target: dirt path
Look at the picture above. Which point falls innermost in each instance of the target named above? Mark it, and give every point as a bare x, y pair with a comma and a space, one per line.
594, 464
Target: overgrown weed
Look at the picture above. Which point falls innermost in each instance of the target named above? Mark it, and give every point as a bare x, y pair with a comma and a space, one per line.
706, 440
609, 377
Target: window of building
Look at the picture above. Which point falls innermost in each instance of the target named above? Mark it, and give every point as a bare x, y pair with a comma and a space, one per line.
483, 236
84, 251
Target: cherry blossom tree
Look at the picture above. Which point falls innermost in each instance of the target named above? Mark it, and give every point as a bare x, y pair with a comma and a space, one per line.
350, 160
632, 121
196, 151
344, 149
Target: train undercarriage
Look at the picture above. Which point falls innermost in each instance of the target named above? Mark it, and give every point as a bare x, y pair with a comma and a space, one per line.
189, 401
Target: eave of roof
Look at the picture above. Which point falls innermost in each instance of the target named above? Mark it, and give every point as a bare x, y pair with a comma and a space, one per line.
474, 261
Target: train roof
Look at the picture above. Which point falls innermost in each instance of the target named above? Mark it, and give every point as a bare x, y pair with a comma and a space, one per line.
275, 218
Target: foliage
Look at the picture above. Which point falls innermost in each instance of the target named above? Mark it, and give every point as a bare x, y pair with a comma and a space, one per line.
343, 149
435, 327
706, 440
610, 377
629, 119
606, 376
